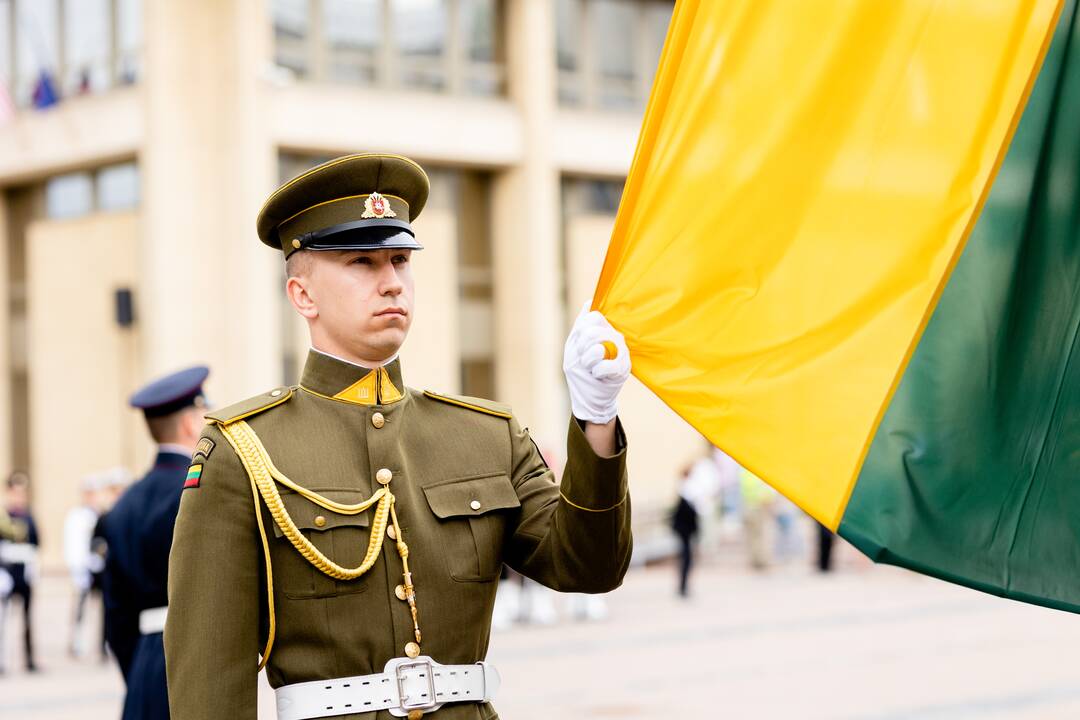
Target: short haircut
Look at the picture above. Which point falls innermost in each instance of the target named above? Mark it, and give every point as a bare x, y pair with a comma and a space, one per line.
164, 429
299, 263
18, 479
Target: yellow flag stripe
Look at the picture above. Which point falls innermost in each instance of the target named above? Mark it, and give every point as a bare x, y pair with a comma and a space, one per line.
804, 181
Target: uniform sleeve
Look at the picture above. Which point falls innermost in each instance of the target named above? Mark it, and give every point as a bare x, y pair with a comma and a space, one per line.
574, 537
212, 635
121, 617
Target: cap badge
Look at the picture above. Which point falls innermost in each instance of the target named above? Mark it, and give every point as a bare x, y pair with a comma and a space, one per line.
377, 206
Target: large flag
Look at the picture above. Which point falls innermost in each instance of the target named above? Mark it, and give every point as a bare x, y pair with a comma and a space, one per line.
807, 269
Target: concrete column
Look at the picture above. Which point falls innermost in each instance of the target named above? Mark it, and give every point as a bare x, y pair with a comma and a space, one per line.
209, 291
528, 302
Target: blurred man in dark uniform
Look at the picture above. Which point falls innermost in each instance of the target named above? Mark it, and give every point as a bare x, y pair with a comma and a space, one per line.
138, 532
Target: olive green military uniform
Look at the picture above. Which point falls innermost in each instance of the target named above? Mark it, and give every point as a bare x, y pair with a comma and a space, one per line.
471, 492
7, 529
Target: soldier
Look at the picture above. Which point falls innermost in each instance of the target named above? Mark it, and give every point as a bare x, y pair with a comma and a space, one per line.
353, 529
138, 533
19, 556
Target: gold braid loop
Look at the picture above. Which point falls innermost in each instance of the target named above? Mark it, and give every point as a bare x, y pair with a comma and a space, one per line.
256, 461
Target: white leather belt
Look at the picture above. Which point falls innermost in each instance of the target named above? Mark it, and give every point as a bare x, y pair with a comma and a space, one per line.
17, 553
405, 685
153, 620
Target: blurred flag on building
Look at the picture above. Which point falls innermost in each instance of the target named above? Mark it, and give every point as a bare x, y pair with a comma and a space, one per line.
814, 264
45, 94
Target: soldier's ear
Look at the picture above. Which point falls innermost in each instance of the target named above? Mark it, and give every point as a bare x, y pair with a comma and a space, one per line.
301, 299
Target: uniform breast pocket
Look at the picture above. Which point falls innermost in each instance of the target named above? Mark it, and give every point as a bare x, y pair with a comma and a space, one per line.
472, 513
342, 539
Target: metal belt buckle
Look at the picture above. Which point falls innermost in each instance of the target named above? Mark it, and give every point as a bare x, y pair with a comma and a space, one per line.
402, 673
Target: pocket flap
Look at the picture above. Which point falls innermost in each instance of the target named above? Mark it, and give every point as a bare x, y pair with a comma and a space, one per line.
309, 516
472, 496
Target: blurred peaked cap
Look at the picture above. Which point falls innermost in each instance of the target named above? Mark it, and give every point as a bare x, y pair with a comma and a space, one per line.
171, 393
354, 202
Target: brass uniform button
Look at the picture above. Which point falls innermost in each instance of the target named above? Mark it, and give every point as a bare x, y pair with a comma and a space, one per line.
475, 504
320, 521
384, 476
378, 420
391, 532
412, 649
296, 243
415, 715
399, 591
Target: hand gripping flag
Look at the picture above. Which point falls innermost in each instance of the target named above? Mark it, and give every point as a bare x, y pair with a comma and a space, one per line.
809, 265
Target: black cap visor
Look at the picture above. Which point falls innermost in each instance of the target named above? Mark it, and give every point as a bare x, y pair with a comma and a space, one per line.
374, 234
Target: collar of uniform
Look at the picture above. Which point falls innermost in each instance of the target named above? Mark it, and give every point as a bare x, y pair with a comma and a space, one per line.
169, 454
337, 379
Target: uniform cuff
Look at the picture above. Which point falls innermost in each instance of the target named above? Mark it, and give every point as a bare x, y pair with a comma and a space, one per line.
591, 482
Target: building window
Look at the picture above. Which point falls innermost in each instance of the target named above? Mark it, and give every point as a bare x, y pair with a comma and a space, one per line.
88, 44
452, 46
37, 47
481, 41
80, 46
118, 187
352, 31
107, 189
7, 47
291, 32
69, 196
420, 34
476, 284
127, 63
583, 196
569, 40
607, 51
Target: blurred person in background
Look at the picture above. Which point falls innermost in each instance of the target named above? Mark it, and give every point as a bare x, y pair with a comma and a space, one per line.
7, 583
730, 497
825, 539
19, 555
684, 521
138, 533
789, 541
84, 550
701, 484
79, 526
757, 502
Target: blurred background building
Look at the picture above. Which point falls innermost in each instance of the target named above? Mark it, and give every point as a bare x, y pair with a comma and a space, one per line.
138, 139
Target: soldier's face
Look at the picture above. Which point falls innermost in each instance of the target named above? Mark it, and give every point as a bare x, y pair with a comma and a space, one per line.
360, 302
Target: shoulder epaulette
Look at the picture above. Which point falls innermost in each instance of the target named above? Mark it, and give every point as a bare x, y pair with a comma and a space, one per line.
488, 407
251, 406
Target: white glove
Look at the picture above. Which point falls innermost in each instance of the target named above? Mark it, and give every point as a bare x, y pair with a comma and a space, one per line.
593, 379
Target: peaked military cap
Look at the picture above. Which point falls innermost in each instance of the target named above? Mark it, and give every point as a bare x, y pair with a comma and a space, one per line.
172, 393
355, 202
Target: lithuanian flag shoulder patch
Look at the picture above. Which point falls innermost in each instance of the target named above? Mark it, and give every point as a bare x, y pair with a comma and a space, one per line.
194, 474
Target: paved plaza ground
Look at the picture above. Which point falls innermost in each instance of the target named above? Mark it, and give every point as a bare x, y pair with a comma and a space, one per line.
867, 642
